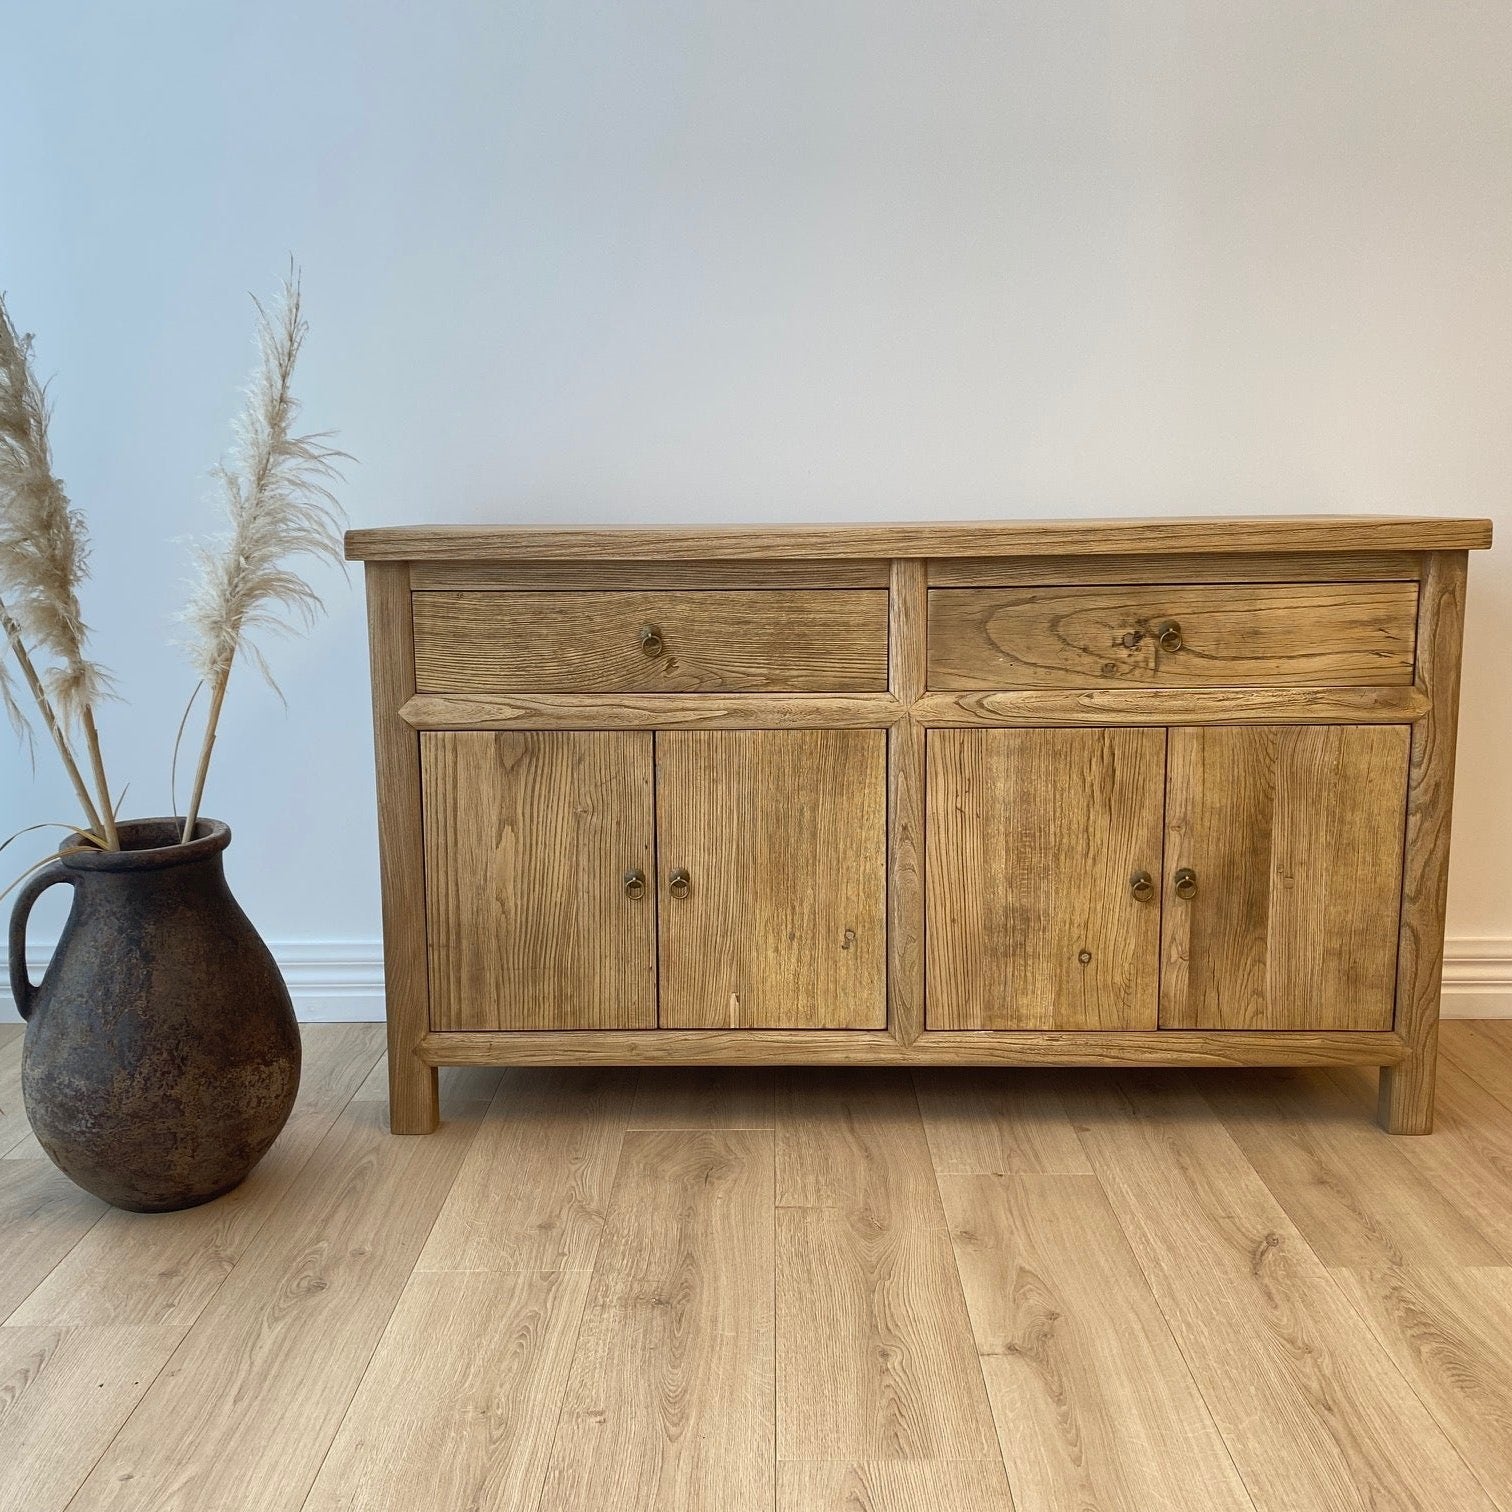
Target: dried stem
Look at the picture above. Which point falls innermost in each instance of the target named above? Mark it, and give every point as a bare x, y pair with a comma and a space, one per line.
207, 746
97, 764
34, 682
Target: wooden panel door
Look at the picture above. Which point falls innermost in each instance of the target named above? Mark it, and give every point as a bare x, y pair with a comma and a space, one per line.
529, 838
1283, 876
772, 849
1034, 839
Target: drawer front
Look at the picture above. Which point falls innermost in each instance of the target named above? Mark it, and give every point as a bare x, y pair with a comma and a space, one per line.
1230, 635
661, 642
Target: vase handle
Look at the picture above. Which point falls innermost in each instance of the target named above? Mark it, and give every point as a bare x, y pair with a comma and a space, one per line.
22, 989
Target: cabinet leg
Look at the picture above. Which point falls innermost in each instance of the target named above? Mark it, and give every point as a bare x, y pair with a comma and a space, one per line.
414, 1101
1405, 1103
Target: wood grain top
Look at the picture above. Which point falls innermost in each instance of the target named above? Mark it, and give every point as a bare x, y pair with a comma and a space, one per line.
961, 539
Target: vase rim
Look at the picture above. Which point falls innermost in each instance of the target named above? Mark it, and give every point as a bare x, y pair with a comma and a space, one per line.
152, 844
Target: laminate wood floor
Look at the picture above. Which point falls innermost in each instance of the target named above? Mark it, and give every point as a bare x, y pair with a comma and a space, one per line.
792, 1291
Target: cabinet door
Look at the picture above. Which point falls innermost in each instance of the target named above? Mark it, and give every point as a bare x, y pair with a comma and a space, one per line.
782, 838
1283, 877
1033, 841
528, 840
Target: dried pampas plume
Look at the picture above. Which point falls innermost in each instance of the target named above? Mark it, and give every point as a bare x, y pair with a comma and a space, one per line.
43, 559
280, 507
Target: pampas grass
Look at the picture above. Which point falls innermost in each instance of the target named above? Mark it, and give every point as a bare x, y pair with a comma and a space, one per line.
275, 487
44, 555
276, 494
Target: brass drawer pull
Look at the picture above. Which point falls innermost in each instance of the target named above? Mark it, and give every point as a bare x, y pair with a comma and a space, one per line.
635, 884
1142, 885
651, 642
1168, 635
1185, 882
678, 884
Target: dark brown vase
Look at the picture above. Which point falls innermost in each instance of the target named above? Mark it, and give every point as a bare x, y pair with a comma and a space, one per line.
162, 1054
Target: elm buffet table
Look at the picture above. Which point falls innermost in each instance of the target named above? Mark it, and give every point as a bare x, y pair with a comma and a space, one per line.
1163, 792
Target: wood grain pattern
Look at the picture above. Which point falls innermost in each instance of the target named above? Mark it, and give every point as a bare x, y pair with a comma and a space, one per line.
1295, 836
704, 1097
909, 608
852, 1142
1298, 635
1024, 1047
1356, 1198
413, 1106
411, 1438
1033, 837
1448, 1330
669, 1405
892, 1486
783, 835
1161, 707
1094, 1405
528, 839
1331, 533
295, 1323
43, 1216
982, 1123
874, 1360
775, 640
1171, 567
1311, 1414
653, 711
64, 1394
604, 575
1406, 1094
533, 1190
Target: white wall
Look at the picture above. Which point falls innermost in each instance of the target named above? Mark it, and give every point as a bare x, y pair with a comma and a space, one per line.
725, 261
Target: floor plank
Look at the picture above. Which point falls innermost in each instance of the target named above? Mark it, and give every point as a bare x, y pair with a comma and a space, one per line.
998, 1123
704, 1097
892, 1486
875, 1358
43, 1217
1094, 1405
1449, 1331
669, 1404
1468, 1158
64, 1393
435, 1425
245, 1411
534, 1189
1482, 1049
164, 1267
1313, 1411
1351, 1189
853, 1141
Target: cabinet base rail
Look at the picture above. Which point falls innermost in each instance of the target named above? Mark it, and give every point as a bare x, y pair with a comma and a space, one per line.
783, 1047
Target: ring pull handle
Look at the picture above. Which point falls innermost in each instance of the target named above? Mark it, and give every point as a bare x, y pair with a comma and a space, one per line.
1142, 885
1168, 635
678, 884
1185, 882
22, 989
635, 884
651, 642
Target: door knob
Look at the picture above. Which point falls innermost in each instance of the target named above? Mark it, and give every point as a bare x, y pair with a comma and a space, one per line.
678, 884
1142, 885
651, 642
635, 884
1185, 882
1168, 634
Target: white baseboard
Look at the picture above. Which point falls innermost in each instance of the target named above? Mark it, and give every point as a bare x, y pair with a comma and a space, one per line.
341, 981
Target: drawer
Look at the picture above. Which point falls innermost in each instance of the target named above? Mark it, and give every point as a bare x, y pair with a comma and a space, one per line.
832, 641
1233, 635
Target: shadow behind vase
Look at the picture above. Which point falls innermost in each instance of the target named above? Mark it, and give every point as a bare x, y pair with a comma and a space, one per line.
162, 1054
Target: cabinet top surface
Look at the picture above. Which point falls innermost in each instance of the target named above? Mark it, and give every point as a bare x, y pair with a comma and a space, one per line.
1234, 533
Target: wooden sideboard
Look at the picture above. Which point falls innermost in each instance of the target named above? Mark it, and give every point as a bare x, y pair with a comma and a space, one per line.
1168, 792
